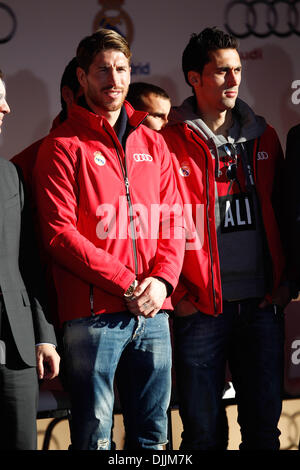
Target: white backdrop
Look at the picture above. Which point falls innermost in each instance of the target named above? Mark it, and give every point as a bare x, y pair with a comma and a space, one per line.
48, 32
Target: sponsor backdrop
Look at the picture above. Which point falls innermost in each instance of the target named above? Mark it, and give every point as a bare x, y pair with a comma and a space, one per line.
38, 38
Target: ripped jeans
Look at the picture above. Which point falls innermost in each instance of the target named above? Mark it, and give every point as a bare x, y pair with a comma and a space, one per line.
139, 350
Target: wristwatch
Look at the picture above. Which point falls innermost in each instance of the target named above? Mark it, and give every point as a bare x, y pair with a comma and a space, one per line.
131, 289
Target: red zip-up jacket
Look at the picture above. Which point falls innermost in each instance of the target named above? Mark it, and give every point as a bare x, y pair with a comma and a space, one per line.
195, 173
26, 158
98, 211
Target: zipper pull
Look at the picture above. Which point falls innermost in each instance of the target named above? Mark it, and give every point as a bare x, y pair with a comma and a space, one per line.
250, 175
127, 186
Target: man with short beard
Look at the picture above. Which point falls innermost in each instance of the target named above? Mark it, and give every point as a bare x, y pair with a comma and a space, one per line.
98, 177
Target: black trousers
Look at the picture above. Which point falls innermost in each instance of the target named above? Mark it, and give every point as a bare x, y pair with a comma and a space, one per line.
18, 396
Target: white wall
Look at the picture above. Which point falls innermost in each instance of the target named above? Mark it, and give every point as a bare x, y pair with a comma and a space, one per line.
48, 33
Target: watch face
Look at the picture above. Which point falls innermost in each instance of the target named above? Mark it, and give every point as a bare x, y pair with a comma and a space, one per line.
129, 292
131, 289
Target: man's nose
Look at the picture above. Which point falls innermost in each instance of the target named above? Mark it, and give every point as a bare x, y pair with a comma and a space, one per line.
113, 77
233, 78
164, 121
4, 108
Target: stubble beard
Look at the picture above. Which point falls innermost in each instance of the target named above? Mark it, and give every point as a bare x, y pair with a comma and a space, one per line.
106, 106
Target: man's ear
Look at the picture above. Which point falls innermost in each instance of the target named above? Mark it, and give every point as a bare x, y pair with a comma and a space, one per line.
68, 95
81, 76
193, 77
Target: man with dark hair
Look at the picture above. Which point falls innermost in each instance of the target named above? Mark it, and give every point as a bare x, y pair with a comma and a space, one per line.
197, 53
27, 339
69, 91
229, 303
152, 99
99, 177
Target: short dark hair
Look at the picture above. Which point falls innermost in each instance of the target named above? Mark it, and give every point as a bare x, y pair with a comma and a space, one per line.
137, 90
69, 79
103, 39
196, 54
1, 75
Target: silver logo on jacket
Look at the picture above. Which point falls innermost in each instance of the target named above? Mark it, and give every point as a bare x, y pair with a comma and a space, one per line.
262, 156
142, 157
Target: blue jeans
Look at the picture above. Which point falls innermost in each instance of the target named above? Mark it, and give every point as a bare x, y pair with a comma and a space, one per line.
94, 348
252, 341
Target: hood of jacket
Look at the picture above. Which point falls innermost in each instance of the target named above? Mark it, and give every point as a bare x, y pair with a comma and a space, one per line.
247, 125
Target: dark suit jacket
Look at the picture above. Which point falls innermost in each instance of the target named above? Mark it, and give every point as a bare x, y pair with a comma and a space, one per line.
20, 278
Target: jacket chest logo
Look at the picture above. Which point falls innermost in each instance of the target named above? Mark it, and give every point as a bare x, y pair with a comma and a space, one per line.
262, 156
142, 157
185, 170
99, 158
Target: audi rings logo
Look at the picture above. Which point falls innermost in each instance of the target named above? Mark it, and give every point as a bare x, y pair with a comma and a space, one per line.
262, 156
8, 21
142, 157
261, 18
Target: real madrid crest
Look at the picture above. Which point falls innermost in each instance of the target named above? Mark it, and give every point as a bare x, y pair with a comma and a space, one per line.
112, 16
184, 170
99, 158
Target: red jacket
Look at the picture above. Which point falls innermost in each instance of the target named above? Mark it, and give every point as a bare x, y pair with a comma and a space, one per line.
195, 174
26, 158
97, 232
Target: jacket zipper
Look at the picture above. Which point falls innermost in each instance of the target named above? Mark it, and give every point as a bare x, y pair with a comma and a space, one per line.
208, 225
126, 180
128, 197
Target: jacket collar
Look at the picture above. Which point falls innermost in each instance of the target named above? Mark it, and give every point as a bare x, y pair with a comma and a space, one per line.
95, 121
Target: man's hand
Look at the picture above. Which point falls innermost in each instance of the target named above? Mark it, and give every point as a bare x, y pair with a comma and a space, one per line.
148, 297
47, 361
281, 297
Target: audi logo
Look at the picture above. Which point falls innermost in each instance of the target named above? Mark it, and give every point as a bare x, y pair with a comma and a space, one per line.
142, 157
263, 18
262, 156
13, 20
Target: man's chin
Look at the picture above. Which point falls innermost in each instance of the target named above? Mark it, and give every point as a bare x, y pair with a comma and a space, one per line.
114, 106
229, 104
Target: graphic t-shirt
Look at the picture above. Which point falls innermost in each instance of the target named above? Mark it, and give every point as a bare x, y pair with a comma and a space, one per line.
239, 225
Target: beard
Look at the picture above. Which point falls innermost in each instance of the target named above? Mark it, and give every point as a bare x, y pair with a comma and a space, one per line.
99, 100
